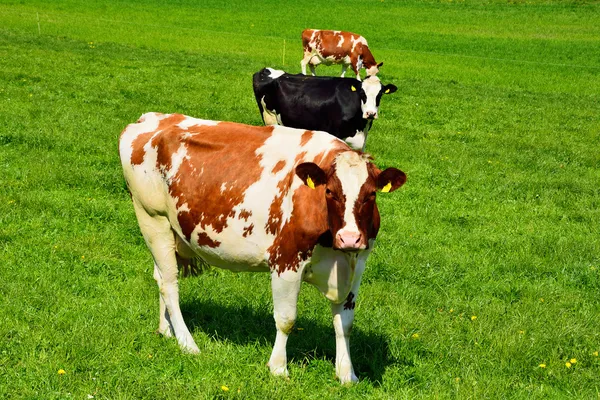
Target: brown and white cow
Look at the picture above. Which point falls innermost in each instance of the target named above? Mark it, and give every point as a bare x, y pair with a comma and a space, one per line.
337, 47
298, 204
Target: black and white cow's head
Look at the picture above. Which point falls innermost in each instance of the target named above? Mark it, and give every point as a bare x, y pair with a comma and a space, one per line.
350, 187
370, 91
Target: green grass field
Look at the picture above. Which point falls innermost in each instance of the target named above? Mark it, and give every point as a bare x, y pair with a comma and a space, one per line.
485, 282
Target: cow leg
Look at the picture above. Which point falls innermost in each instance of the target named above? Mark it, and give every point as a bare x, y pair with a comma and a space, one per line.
285, 287
356, 65
356, 71
164, 323
305, 62
312, 70
344, 68
343, 318
160, 239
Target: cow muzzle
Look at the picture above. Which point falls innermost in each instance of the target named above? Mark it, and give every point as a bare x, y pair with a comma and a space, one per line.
370, 115
349, 241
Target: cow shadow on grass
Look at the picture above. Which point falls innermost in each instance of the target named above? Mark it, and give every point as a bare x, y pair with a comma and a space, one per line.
308, 341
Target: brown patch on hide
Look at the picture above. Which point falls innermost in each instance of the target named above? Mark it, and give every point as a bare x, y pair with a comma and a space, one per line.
216, 155
306, 136
248, 230
278, 167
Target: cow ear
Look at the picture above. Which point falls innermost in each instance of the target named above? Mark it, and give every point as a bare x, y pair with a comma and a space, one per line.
389, 89
311, 174
380, 64
390, 180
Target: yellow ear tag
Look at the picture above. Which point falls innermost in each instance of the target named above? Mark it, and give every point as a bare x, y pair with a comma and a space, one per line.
387, 90
387, 187
310, 183
353, 88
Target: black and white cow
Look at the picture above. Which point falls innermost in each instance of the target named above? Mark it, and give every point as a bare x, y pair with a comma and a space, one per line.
343, 107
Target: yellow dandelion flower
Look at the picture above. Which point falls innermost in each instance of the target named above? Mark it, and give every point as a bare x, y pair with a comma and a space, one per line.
568, 364
541, 299
595, 354
415, 336
521, 332
473, 317
224, 388
149, 355
573, 360
451, 310
61, 371
542, 365
457, 380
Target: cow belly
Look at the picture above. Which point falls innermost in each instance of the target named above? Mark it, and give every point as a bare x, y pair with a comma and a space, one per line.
230, 250
329, 60
334, 272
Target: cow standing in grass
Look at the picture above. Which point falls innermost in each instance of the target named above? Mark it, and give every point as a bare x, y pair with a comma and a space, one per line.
295, 203
342, 107
337, 47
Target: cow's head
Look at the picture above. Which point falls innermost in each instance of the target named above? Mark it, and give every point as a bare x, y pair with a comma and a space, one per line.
370, 93
350, 187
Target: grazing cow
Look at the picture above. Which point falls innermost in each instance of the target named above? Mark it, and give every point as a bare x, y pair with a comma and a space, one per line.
343, 107
337, 47
295, 203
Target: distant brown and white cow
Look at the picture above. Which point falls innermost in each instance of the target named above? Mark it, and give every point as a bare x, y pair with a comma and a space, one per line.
298, 204
337, 47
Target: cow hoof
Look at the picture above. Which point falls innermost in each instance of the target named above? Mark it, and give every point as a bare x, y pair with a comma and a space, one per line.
279, 371
348, 379
190, 348
165, 332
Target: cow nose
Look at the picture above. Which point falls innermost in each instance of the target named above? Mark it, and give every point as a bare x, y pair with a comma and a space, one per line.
371, 115
347, 240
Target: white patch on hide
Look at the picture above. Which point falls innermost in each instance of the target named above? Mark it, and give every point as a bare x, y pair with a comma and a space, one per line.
351, 170
275, 73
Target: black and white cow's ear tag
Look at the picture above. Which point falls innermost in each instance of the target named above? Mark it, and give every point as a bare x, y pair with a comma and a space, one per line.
353, 88
386, 188
310, 183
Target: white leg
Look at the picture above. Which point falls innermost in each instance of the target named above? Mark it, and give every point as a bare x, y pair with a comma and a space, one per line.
312, 70
286, 288
344, 68
305, 62
164, 324
343, 317
160, 239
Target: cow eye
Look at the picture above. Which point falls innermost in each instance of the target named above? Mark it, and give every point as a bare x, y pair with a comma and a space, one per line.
330, 194
369, 197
